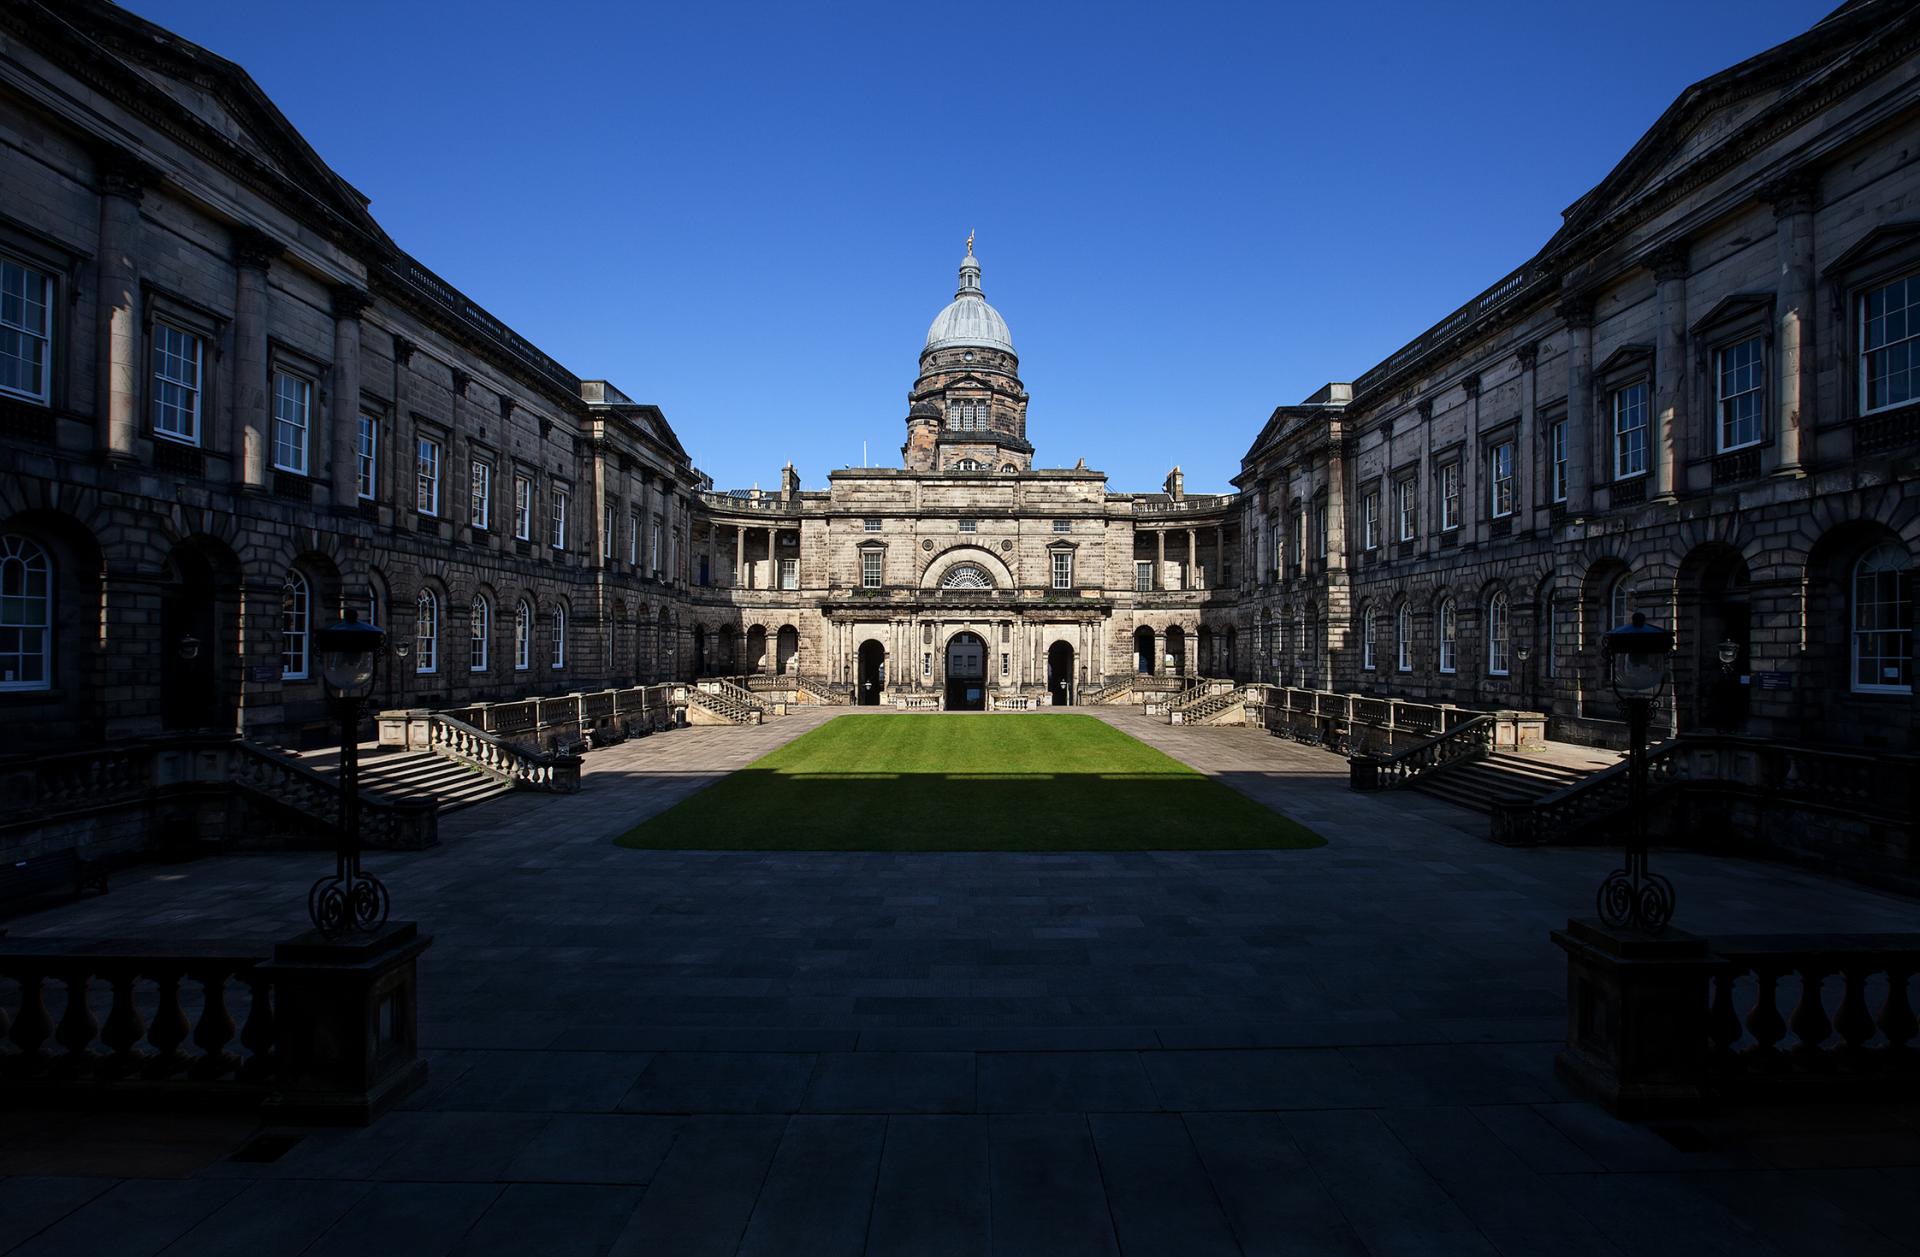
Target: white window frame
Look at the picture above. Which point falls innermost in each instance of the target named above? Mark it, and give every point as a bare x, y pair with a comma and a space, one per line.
296, 626
1403, 638
1617, 405
557, 516
522, 635
426, 632
1370, 520
1449, 497
177, 379
36, 343
787, 573
609, 531
480, 484
1557, 459
1749, 390
633, 538
653, 540
1368, 626
1907, 343
1620, 600
872, 569
1063, 525
1407, 503
1447, 636
428, 458
1894, 567
969, 525
1499, 635
479, 635
292, 418
366, 458
1142, 576
1500, 479
1063, 569
26, 616
869, 524
557, 629
522, 507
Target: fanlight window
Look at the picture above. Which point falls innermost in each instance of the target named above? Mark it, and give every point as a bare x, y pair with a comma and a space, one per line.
966, 576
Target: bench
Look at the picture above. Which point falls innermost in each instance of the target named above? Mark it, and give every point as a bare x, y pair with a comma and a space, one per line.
57, 872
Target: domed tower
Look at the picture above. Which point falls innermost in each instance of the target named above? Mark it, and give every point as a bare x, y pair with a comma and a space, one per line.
968, 411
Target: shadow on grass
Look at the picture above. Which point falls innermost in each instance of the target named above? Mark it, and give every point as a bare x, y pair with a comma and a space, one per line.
761, 809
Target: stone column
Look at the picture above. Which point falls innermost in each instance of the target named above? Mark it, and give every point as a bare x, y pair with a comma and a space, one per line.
1525, 456
252, 254
348, 302
773, 566
1160, 564
1193, 559
1669, 452
1577, 313
1472, 510
713, 553
1337, 447
118, 288
1219, 555
1794, 199
739, 557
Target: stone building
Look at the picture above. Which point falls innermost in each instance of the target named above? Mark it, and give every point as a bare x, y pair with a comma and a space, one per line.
232, 407
1699, 400
968, 574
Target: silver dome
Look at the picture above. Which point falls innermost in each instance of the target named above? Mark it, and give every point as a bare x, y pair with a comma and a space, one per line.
969, 321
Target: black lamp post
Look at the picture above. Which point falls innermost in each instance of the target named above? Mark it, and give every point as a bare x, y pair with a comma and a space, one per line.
1636, 656
1526, 678
351, 899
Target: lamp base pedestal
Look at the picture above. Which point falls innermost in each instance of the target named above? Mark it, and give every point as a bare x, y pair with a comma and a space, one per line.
1637, 1007
346, 1024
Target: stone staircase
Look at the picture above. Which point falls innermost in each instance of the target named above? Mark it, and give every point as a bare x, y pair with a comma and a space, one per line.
1211, 708
1506, 777
821, 692
403, 776
1108, 692
737, 707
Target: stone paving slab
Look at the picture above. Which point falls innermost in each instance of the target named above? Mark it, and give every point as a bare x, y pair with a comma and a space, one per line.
1345, 1050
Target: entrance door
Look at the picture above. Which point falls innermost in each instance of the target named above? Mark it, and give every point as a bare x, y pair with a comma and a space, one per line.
1143, 651
966, 673
1060, 674
191, 693
872, 674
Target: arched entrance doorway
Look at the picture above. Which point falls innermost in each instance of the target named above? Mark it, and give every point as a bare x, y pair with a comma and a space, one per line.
786, 647
1060, 674
195, 675
756, 660
1177, 651
724, 649
1143, 651
1204, 664
872, 673
699, 650
966, 673
1233, 643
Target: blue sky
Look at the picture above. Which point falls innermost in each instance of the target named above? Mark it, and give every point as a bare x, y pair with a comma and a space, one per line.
1187, 213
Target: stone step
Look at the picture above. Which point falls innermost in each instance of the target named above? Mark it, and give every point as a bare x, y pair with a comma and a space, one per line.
1505, 778
413, 775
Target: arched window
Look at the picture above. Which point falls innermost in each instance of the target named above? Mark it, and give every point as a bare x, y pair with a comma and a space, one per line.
522, 635
426, 632
26, 615
1499, 639
1403, 638
1367, 627
482, 629
1619, 602
293, 627
1883, 621
1448, 628
966, 576
557, 623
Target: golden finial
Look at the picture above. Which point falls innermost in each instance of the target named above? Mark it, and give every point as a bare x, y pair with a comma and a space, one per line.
969, 242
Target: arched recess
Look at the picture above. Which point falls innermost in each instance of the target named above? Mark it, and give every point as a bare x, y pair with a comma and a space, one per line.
700, 661
726, 648
965, 670
755, 659
1231, 663
1176, 644
1204, 662
1143, 651
870, 676
1714, 607
1060, 674
996, 572
200, 656
786, 650
1859, 626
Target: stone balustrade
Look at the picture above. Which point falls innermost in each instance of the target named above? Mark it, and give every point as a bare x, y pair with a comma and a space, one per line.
194, 1025
1368, 724
560, 723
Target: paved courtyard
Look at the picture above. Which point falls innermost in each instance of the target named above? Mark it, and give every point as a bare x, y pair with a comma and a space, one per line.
1340, 1050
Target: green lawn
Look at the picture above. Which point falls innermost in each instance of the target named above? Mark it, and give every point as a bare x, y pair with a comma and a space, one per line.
968, 783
